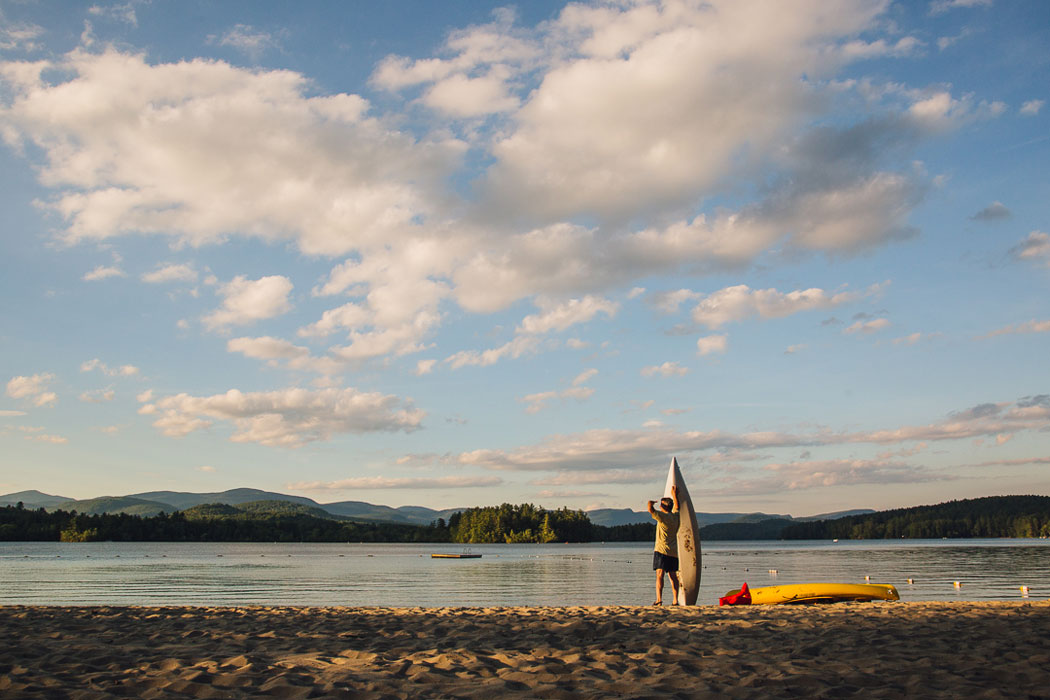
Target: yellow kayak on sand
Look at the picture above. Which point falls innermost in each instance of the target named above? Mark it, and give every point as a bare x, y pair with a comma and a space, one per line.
799, 593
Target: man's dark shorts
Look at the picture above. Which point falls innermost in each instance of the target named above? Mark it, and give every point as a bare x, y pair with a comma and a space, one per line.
662, 561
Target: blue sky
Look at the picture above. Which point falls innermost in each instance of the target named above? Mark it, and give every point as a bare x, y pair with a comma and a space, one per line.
453, 254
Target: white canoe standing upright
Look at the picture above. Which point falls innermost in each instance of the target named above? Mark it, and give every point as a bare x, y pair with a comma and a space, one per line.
689, 555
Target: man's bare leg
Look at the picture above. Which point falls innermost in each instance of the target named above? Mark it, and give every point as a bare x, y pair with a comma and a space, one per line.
675, 587
660, 587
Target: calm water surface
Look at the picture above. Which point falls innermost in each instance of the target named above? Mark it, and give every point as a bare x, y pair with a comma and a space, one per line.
52, 573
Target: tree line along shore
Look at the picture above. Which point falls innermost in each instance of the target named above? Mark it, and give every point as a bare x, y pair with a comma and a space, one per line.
283, 521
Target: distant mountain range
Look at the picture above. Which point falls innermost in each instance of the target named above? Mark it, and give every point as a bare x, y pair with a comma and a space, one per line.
153, 502
626, 516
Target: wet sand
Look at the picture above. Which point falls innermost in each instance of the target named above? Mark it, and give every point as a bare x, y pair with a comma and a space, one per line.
868, 650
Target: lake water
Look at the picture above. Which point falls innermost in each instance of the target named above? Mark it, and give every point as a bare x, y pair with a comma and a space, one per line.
52, 573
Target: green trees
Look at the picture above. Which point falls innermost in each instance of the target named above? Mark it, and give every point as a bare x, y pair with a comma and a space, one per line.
520, 523
206, 524
267, 521
995, 516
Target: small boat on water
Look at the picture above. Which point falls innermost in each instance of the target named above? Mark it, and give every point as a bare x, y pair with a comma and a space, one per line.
455, 556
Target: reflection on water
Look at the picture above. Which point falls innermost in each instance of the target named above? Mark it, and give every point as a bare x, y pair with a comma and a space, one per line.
566, 574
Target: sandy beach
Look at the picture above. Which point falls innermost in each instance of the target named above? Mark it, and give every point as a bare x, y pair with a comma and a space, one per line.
870, 650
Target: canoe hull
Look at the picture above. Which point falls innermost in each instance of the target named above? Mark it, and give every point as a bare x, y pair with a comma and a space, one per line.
455, 556
801, 593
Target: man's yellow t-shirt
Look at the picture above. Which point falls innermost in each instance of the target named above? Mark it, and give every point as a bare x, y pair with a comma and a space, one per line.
666, 532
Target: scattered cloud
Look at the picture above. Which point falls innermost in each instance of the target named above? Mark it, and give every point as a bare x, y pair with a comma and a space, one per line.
121, 371
34, 388
859, 49
793, 349
285, 418
275, 351
246, 301
98, 396
556, 316
538, 401
173, 272
563, 493
386, 482
667, 369
7, 413
476, 78
463, 96
200, 152
603, 476
19, 36
945, 41
44, 437
161, 149
1035, 248
1019, 462
905, 452
121, 12
712, 344
166, 147
603, 449
1032, 326
996, 211
867, 327
733, 456
103, 272
1032, 107
515, 348
913, 338
248, 40
741, 302
938, 7
206, 469
793, 476
668, 302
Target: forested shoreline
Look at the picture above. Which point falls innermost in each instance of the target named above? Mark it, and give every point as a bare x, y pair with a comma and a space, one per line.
282, 521
995, 516
278, 521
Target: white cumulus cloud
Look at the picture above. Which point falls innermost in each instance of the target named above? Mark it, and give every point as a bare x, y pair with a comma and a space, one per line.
864, 327
667, 369
711, 344
741, 302
1032, 107
1035, 248
103, 272
174, 272
33, 388
538, 401
121, 371
387, 482
275, 351
246, 301
555, 316
285, 418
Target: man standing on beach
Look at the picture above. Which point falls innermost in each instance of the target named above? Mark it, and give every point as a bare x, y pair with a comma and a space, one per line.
665, 554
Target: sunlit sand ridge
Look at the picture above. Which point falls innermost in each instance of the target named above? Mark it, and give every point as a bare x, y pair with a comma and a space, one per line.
959, 649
